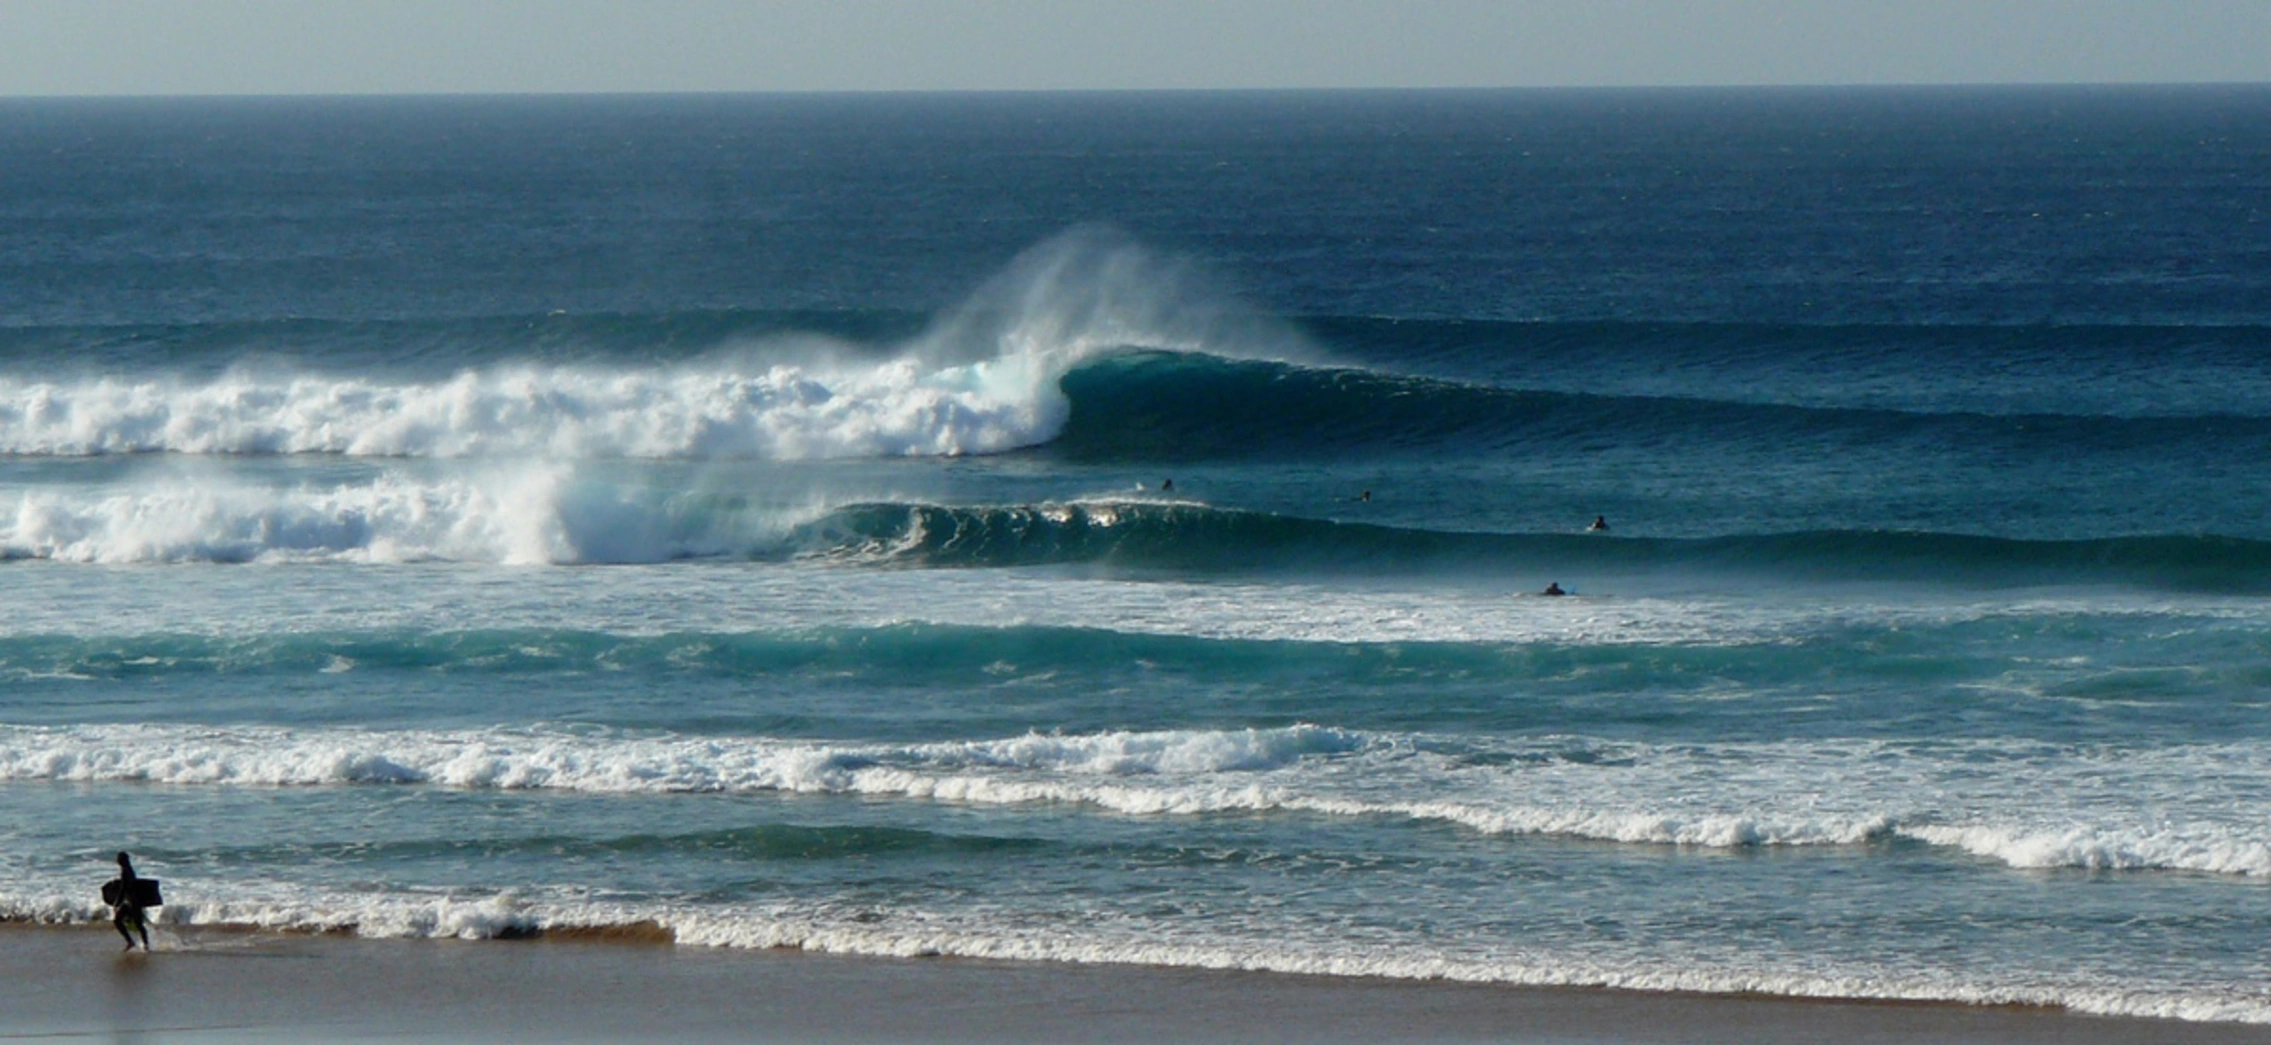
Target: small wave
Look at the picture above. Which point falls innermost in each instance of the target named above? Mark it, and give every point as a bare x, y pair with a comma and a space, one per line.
2102, 850
534, 760
520, 916
1617, 793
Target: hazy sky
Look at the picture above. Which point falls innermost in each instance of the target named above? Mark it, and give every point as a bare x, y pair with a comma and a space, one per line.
52, 47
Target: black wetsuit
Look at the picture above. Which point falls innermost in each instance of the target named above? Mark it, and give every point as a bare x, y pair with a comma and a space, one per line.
127, 913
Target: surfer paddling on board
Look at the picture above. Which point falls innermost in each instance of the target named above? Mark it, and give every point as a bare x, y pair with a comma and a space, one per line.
1600, 525
130, 898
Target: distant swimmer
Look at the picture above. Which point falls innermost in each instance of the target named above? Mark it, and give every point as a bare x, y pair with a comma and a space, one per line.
1600, 524
1366, 496
1166, 485
130, 898
1553, 588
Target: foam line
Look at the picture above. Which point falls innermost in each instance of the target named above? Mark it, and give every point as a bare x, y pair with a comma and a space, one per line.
271, 906
2076, 811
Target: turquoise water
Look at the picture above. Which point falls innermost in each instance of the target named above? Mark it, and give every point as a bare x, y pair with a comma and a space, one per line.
749, 516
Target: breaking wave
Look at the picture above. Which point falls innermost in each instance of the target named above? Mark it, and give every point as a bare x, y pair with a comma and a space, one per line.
983, 378
1721, 796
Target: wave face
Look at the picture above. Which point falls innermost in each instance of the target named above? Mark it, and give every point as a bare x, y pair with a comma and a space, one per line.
1184, 407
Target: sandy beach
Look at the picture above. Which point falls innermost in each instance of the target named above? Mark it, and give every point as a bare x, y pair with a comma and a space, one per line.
68, 983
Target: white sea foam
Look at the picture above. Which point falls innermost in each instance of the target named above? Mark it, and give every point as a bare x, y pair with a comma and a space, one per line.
529, 515
720, 409
2188, 848
916, 933
2038, 810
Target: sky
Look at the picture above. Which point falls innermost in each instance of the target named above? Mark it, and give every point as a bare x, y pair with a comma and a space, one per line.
167, 47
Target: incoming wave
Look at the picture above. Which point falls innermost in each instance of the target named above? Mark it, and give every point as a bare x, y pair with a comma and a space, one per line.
2019, 802
831, 924
550, 515
1153, 405
983, 378
1198, 537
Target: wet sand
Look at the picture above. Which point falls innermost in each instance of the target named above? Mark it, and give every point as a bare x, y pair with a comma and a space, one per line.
213, 986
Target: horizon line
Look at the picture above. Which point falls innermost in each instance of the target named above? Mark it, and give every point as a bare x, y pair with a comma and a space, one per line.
1031, 91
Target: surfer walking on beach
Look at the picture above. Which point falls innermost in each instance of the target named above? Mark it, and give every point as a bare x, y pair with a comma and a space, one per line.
130, 896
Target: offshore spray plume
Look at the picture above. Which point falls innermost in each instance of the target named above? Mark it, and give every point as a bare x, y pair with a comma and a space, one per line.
1093, 291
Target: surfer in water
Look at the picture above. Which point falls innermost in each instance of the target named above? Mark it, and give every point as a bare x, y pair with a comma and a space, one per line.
1553, 588
1600, 524
125, 894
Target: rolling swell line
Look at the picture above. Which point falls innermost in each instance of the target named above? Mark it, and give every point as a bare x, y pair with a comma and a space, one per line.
932, 654
1146, 406
1197, 537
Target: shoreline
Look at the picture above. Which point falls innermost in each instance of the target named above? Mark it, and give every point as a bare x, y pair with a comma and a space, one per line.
213, 985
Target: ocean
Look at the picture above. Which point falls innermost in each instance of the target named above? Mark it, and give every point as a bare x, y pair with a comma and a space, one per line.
1111, 528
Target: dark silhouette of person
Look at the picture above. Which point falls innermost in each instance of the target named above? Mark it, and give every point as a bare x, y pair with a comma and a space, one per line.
1166, 485
1600, 524
1365, 496
1553, 588
125, 894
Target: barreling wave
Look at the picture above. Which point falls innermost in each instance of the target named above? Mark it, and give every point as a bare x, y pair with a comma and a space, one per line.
982, 378
1088, 346
1116, 394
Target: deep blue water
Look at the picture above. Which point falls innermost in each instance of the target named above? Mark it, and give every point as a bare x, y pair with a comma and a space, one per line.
748, 515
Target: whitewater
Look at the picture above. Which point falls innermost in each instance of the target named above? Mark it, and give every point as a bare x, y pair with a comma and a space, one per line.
1125, 541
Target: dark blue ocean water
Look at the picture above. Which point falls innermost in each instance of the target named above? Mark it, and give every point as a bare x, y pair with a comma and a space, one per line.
749, 516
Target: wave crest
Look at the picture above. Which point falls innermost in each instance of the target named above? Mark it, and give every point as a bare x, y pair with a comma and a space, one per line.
1550, 786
